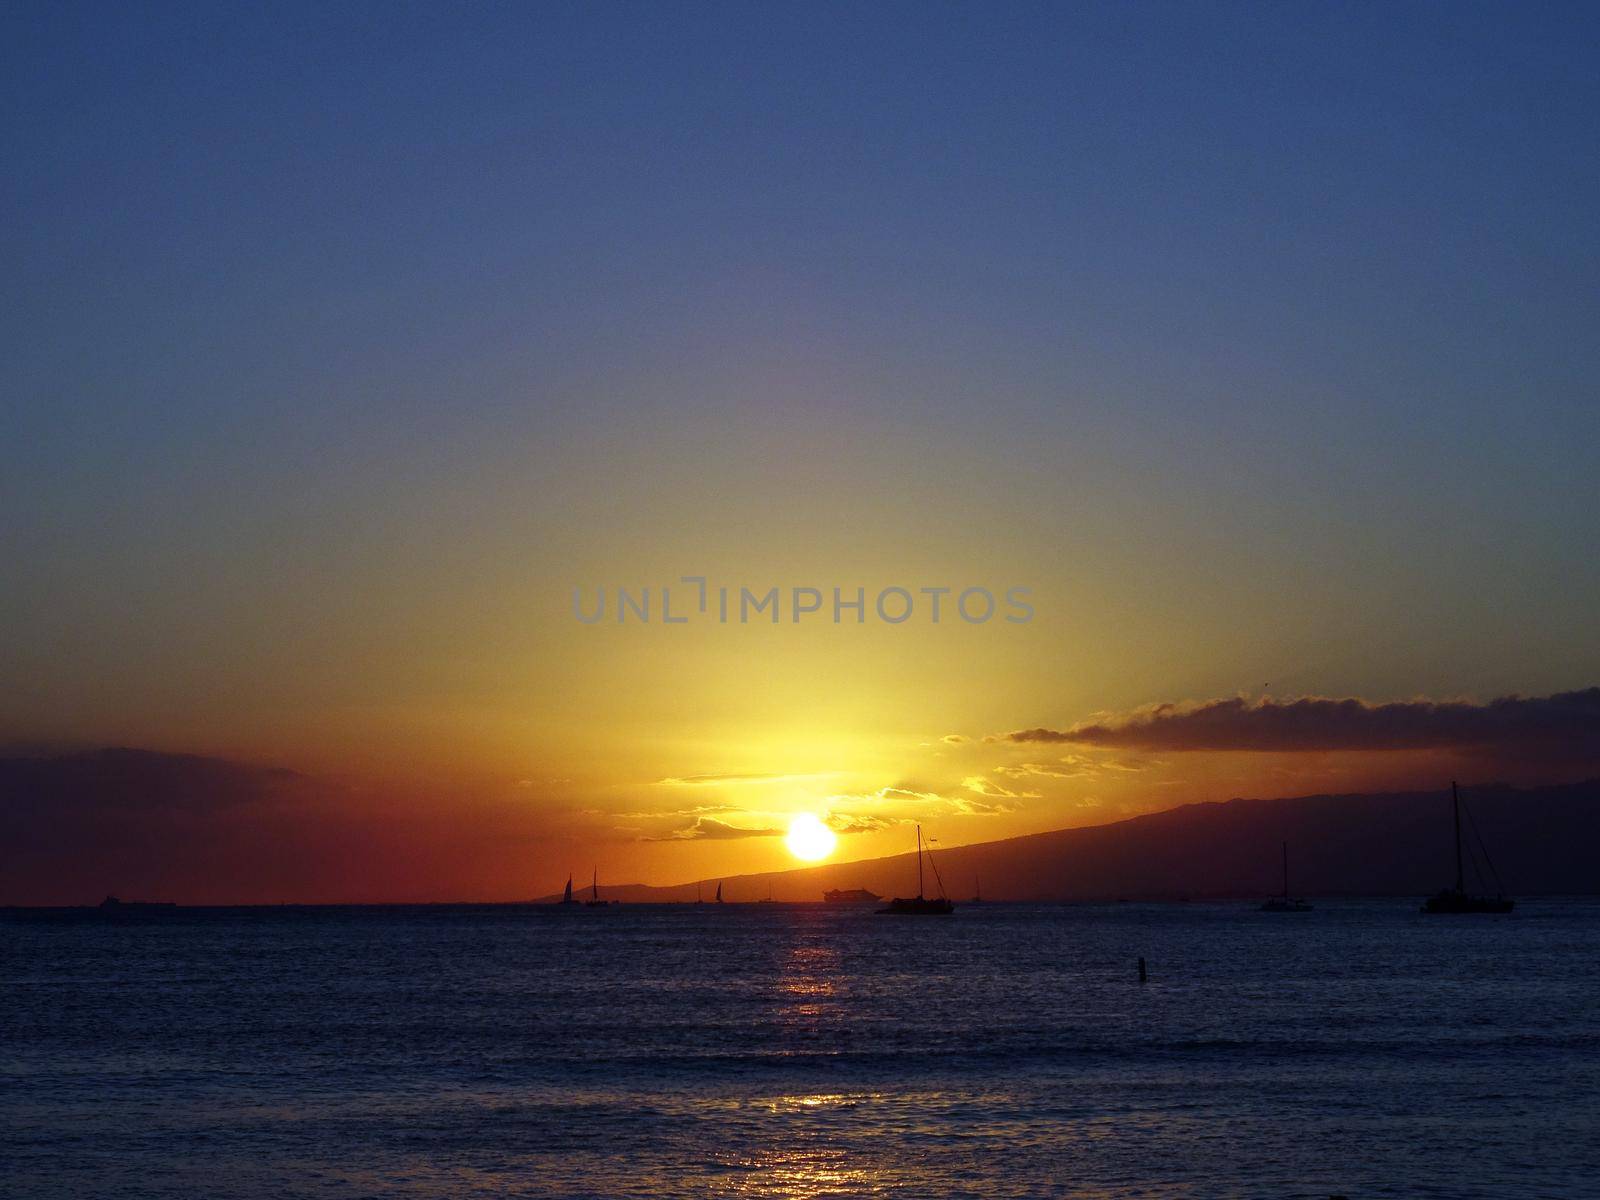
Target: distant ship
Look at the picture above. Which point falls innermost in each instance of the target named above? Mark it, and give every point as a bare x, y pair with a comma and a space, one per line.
594, 900
769, 899
1457, 899
719, 891
1283, 903
566, 896
977, 891
112, 906
852, 896
921, 906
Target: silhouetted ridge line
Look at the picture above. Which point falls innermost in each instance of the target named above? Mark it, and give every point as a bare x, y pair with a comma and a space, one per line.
1372, 844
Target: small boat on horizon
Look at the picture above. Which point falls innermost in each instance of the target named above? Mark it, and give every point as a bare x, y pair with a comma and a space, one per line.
594, 900
1283, 903
850, 896
920, 905
112, 906
566, 896
719, 891
1458, 899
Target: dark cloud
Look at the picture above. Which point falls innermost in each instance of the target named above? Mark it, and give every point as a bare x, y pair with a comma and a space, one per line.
1567, 724
144, 782
77, 825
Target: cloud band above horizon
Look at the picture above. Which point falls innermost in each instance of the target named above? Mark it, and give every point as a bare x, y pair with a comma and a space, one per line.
1570, 720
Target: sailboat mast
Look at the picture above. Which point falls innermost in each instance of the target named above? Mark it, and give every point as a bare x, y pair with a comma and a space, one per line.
919, 862
1455, 807
594, 884
1286, 870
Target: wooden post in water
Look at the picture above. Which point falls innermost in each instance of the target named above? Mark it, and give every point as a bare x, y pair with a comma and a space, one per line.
1141, 969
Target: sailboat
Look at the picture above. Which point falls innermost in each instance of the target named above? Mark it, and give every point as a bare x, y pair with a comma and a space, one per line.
594, 900
1283, 903
921, 906
1457, 899
977, 891
719, 891
566, 896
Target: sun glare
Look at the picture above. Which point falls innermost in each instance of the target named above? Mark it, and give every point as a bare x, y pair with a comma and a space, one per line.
810, 839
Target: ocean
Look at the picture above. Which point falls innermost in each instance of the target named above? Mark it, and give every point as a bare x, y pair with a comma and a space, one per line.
769, 1050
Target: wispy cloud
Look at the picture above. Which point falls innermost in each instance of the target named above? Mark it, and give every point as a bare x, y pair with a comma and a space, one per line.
902, 797
727, 780
1061, 770
661, 813
984, 787
896, 805
709, 827
967, 806
703, 827
844, 823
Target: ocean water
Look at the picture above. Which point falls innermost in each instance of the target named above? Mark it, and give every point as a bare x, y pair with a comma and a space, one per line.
1359, 1050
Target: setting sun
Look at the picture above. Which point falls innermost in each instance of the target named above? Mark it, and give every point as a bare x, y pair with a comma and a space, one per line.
810, 839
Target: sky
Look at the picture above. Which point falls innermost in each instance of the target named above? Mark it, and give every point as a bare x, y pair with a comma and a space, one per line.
341, 344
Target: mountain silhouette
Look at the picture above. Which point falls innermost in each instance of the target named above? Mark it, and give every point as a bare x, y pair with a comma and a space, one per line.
1397, 843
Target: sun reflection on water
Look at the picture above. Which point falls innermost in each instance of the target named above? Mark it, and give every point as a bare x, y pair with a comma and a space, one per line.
809, 1161
823, 1171
809, 988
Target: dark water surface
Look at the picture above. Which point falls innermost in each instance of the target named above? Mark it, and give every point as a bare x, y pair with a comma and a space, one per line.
772, 1051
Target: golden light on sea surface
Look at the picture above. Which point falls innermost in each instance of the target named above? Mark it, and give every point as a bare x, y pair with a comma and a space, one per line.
809, 839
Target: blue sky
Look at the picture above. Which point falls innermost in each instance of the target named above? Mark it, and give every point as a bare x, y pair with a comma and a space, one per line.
1270, 320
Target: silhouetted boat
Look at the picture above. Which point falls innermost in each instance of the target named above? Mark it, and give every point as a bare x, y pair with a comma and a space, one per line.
112, 906
921, 906
1458, 899
852, 896
769, 899
566, 896
1283, 903
719, 891
977, 891
594, 900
